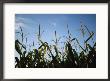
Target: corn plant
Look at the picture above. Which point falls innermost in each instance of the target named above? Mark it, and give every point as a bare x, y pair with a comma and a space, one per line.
50, 56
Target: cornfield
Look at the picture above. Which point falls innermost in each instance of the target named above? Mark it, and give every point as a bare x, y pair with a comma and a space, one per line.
52, 56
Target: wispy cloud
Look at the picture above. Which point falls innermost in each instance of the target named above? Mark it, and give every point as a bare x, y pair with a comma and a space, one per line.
53, 24
20, 22
23, 22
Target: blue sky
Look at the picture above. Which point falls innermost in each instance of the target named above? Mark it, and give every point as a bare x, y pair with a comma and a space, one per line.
51, 22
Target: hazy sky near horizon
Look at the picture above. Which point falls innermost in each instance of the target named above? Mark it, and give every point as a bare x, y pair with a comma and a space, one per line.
50, 23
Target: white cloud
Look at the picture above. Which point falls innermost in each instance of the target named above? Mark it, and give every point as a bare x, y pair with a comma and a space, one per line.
20, 22
54, 24
23, 22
